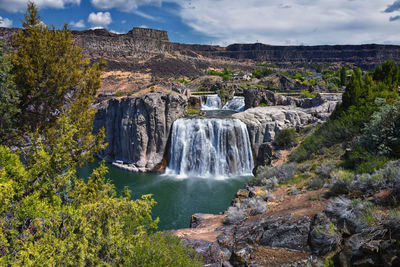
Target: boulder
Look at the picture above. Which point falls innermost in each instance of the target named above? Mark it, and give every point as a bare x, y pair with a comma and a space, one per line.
346, 215
253, 97
137, 128
372, 247
264, 122
323, 237
286, 232
211, 252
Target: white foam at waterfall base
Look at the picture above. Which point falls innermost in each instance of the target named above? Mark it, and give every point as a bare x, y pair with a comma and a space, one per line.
236, 104
213, 102
210, 148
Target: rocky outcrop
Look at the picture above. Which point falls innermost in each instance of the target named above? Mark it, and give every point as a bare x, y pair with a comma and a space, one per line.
264, 122
255, 97
123, 51
137, 128
280, 112
364, 56
282, 82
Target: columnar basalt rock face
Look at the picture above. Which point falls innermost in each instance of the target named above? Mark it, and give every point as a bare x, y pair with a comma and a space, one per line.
365, 56
120, 49
137, 129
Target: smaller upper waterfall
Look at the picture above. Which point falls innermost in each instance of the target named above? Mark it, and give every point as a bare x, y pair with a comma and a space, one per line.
213, 102
210, 148
236, 104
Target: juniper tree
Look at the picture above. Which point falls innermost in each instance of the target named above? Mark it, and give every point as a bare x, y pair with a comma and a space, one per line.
50, 71
8, 101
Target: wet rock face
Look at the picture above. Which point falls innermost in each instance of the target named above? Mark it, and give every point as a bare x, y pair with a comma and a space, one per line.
137, 129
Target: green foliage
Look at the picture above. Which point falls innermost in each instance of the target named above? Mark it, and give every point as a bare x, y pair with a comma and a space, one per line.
182, 81
119, 94
83, 225
9, 101
48, 215
258, 86
358, 105
334, 131
192, 111
226, 74
49, 71
382, 134
286, 138
368, 215
307, 94
343, 76
226, 77
262, 72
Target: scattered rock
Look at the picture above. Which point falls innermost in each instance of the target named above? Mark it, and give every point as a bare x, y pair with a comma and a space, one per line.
286, 232
323, 237
345, 215
212, 253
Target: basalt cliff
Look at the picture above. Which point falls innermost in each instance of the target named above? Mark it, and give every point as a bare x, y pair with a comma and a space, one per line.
144, 49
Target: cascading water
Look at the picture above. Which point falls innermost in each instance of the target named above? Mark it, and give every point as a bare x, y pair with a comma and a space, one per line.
210, 148
213, 102
236, 104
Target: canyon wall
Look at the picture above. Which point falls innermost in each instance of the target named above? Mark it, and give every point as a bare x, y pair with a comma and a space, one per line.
137, 128
125, 51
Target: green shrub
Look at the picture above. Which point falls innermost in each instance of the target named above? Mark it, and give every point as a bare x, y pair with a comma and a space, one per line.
286, 138
381, 135
119, 94
226, 77
260, 73
194, 111
307, 94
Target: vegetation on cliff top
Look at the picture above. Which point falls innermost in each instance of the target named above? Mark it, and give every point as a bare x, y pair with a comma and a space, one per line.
49, 215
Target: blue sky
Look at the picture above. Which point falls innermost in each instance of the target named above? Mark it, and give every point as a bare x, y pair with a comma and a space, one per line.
289, 22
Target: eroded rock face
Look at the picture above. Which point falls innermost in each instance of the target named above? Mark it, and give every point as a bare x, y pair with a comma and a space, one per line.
256, 96
137, 129
281, 112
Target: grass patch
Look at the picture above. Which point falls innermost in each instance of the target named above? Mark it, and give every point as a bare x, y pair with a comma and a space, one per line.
192, 111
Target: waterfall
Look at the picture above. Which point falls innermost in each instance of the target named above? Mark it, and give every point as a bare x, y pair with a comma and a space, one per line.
236, 104
210, 148
213, 102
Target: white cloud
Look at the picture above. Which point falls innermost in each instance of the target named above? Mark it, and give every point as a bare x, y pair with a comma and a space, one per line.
20, 5
123, 5
116, 32
5, 22
292, 21
145, 15
99, 19
78, 24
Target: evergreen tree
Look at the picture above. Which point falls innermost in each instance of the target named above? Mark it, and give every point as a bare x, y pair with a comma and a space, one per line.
48, 215
8, 101
388, 74
353, 90
343, 76
50, 71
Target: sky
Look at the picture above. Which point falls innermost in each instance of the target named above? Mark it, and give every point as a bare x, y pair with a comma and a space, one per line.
224, 22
